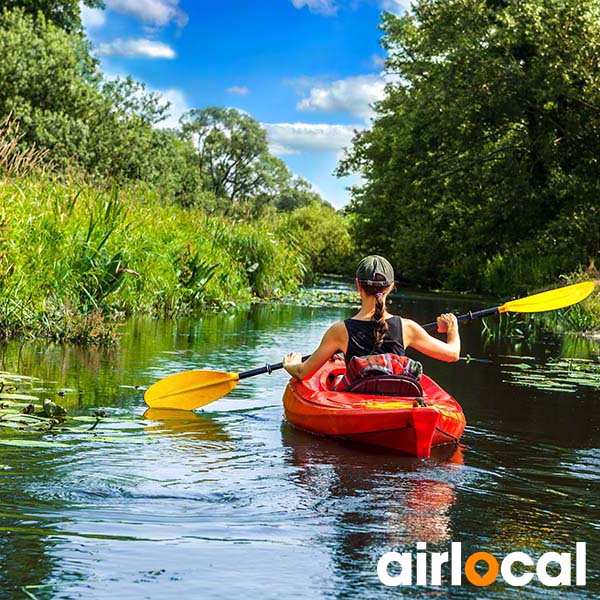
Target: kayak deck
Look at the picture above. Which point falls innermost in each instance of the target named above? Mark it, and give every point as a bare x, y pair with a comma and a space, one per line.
398, 423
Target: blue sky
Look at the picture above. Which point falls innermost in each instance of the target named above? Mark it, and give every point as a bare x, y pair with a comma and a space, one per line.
306, 69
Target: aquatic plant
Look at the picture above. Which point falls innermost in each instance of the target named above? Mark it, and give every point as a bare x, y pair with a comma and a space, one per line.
561, 374
513, 326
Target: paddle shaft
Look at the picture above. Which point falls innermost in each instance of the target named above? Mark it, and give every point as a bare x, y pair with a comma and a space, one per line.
265, 369
470, 316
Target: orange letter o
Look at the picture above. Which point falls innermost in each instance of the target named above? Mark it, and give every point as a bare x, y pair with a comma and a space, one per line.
474, 577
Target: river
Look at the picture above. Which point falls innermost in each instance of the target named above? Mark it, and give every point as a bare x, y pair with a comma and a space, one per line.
232, 502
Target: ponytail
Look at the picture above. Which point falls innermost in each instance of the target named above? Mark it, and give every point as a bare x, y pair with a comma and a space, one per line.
378, 314
378, 317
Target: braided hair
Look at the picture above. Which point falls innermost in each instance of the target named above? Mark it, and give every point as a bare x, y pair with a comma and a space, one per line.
379, 313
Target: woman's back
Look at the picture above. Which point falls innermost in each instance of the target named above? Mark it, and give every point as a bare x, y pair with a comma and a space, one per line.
362, 337
373, 330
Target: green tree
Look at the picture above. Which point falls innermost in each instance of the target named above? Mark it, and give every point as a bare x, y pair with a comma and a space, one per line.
66, 14
236, 165
131, 98
43, 86
297, 193
482, 159
53, 89
230, 147
322, 235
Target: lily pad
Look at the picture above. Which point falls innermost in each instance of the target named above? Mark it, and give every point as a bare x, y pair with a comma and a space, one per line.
6, 396
32, 443
15, 377
124, 439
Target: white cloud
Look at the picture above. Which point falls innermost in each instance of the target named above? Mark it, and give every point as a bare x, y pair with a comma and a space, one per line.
330, 8
397, 7
141, 47
353, 96
326, 8
92, 17
155, 12
238, 90
296, 138
377, 61
179, 105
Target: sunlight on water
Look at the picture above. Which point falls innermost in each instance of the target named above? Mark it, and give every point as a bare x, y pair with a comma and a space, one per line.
232, 501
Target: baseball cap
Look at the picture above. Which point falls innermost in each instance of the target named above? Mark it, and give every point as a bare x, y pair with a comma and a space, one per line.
376, 271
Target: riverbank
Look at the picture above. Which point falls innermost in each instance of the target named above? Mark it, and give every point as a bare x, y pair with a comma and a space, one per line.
75, 260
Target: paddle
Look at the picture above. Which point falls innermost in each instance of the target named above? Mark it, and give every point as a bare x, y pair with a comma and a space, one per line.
194, 389
551, 300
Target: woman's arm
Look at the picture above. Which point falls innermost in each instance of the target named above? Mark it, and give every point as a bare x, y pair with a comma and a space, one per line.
416, 337
334, 340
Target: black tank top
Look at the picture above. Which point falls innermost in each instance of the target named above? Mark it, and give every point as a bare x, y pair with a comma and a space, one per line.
361, 338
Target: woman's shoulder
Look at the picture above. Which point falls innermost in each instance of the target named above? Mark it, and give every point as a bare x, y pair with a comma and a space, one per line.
409, 324
338, 328
411, 330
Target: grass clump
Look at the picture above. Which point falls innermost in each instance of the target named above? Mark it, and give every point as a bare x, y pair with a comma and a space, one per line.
75, 260
583, 317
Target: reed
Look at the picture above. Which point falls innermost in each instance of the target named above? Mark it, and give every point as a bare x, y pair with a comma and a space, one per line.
17, 158
75, 260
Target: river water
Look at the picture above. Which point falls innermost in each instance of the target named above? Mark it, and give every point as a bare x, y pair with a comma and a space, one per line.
232, 502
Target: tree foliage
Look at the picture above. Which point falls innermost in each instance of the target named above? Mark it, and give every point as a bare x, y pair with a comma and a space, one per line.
481, 167
322, 235
236, 165
65, 14
52, 86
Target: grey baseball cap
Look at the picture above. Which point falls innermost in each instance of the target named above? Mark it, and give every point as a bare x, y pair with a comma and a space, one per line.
376, 271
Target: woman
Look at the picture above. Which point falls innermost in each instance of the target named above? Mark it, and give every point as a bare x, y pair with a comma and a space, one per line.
373, 330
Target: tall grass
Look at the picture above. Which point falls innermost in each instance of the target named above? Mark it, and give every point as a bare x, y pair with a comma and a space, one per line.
15, 157
73, 259
583, 317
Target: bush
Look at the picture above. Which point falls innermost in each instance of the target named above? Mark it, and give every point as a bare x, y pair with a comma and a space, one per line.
322, 235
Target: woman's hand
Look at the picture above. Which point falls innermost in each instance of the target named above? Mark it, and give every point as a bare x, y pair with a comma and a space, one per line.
446, 322
291, 363
293, 358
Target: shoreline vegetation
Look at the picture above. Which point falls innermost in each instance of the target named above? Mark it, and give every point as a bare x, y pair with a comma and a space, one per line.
105, 214
75, 260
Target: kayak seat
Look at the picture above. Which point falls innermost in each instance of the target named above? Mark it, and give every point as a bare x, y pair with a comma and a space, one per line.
388, 385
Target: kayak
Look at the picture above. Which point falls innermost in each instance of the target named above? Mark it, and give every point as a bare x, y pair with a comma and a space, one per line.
409, 424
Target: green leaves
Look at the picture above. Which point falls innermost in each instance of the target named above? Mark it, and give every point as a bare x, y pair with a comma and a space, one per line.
484, 150
24, 443
65, 14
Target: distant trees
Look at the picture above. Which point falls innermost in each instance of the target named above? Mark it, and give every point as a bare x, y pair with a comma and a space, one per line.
236, 165
53, 94
480, 170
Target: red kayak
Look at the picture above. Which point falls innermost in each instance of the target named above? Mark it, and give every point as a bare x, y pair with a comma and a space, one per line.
409, 424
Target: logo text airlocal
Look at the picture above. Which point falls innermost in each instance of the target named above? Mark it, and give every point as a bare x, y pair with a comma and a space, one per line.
432, 562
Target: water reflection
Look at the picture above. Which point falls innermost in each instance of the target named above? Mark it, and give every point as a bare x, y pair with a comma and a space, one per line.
189, 424
414, 507
229, 503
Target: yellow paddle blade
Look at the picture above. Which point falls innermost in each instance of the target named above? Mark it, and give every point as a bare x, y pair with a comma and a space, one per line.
558, 298
190, 390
